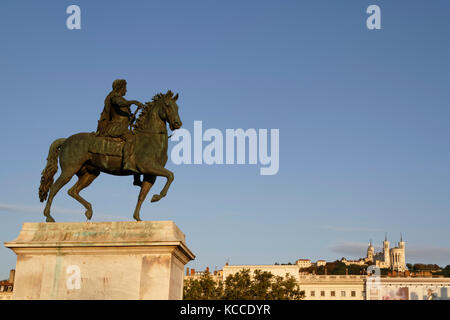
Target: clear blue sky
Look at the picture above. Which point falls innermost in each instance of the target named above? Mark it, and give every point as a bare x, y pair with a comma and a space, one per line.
363, 118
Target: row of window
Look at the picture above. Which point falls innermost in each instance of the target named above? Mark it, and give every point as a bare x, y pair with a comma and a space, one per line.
333, 293
6, 288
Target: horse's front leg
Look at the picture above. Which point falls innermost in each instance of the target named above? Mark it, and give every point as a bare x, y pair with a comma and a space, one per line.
162, 172
145, 188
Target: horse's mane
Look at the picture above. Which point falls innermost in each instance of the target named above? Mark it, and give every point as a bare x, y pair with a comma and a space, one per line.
148, 107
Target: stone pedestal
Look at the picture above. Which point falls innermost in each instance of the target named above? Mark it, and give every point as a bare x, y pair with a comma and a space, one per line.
100, 260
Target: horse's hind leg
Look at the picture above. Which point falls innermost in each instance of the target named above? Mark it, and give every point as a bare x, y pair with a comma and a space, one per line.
60, 182
85, 178
148, 182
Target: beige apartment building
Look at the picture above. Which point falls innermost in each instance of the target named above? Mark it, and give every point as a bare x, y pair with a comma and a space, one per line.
333, 287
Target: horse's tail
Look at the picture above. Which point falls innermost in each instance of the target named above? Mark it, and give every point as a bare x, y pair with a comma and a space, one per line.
50, 169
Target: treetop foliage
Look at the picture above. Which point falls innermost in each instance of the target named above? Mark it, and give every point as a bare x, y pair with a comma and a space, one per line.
263, 285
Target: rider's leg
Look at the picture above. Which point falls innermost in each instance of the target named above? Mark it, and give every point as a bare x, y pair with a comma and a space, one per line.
128, 156
137, 180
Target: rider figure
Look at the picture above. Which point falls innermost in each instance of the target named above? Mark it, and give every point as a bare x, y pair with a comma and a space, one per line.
115, 120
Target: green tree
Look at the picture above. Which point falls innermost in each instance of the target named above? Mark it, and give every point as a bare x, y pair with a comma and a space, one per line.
338, 268
285, 289
425, 267
357, 269
261, 284
242, 286
321, 270
446, 271
204, 288
238, 286
443, 271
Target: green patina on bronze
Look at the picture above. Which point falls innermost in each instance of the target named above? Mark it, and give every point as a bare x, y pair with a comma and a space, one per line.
120, 147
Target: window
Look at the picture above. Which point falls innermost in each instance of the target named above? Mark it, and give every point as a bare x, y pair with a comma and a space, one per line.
342, 293
322, 293
313, 293
353, 293
333, 293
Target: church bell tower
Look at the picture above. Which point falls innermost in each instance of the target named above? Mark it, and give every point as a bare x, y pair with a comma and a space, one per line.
386, 253
370, 252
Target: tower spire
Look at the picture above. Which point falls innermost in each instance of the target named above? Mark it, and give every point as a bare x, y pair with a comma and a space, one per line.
385, 236
401, 237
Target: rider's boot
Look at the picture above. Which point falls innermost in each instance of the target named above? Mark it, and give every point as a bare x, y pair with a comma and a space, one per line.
137, 180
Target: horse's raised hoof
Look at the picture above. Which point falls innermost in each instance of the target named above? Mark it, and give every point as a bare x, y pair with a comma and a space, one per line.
156, 197
137, 218
88, 214
49, 219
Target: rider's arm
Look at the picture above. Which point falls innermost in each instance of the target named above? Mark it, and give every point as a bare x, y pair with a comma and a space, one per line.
121, 106
135, 102
121, 102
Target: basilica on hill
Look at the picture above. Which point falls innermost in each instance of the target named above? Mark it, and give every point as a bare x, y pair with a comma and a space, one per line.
391, 258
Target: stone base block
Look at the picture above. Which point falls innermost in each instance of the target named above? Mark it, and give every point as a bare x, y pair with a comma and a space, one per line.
100, 260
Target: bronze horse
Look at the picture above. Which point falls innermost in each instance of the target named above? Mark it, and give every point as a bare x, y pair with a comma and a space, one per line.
150, 153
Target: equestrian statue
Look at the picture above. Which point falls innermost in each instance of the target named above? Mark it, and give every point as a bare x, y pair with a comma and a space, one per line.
123, 145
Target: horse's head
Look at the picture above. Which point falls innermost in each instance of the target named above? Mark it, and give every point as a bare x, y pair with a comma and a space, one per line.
170, 111
162, 107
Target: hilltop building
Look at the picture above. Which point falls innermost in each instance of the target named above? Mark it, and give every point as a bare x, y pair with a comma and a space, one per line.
303, 263
391, 258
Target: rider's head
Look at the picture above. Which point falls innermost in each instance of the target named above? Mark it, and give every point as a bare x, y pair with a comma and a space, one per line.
120, 86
